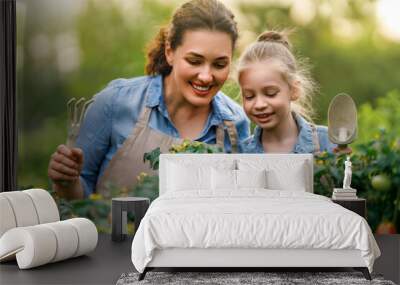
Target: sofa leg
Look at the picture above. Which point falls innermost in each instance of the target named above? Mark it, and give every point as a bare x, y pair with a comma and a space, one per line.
143, 274
364, 271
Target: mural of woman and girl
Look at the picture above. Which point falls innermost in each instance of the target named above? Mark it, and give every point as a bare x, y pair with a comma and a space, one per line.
180, 98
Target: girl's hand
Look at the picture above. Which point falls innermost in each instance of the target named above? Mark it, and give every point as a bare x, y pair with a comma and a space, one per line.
65, 165
342, 150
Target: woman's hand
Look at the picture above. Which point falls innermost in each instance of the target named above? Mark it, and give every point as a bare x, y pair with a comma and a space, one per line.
65, 165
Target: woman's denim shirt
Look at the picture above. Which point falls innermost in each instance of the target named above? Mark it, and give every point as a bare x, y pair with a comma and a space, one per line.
304, 142
110, 119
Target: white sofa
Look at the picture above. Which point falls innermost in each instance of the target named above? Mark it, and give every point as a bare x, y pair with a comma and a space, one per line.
247, 210
31, 231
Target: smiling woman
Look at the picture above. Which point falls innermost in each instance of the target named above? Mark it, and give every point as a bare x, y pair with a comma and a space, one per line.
188, 62
198, 74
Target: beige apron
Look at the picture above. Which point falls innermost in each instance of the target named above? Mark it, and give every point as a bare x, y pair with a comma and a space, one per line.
317, 148
127, 163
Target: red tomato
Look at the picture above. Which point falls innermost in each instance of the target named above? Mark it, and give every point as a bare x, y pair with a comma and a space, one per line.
386, 228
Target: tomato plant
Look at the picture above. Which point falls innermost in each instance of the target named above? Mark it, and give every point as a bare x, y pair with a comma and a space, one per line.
376, 176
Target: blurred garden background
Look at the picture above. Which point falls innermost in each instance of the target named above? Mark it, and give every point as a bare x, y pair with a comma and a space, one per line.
74, 48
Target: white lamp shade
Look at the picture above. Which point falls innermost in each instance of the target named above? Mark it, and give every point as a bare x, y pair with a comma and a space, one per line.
342, 120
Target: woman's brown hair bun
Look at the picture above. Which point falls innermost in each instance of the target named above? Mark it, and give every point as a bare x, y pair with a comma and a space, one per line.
194, 15
276, 37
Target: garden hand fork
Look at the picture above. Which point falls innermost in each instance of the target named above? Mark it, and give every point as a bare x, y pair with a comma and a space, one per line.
76, 112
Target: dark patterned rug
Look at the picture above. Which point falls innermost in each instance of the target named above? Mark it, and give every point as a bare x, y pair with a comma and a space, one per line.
230, 278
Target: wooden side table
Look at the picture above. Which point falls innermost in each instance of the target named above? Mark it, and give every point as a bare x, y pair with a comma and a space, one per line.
357, 205
120, 208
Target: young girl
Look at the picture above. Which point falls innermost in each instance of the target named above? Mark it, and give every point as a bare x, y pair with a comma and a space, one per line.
276, 93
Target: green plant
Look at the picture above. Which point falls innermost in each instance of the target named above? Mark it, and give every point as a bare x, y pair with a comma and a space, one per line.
148, 184
94, 208
383, 114
97, 208
376, 176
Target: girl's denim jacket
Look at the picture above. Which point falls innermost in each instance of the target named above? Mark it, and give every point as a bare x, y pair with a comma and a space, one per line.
304, 142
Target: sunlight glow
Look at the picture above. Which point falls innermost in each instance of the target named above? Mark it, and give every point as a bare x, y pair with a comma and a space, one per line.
303, 11
389, 18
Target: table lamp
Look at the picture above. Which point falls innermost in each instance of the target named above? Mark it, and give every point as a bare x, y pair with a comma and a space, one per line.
342, 122
342, 130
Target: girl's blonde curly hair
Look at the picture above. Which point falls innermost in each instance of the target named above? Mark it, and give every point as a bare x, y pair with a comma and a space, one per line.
276, 46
